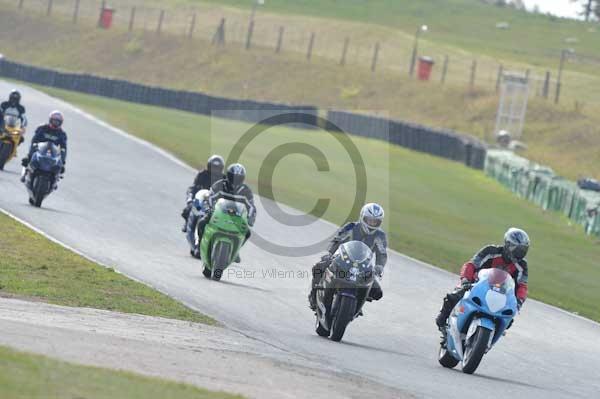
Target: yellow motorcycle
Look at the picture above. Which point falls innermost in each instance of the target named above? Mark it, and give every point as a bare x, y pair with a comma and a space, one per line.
11, 136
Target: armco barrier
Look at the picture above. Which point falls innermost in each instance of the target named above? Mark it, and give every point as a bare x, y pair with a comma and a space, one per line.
245, 110
439, 142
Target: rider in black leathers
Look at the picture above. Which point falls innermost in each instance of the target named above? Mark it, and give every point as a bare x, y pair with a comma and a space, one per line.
367, 230
203, 181
13, 107
51, 132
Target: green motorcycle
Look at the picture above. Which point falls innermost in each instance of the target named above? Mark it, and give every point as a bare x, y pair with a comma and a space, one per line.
224, 235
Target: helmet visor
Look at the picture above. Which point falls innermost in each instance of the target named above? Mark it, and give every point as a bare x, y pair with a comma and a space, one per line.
518, 251
235, 180
56, 122
372, 222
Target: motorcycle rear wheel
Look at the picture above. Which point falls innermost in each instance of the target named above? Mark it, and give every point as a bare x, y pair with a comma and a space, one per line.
5, 151
319, 329
446, 359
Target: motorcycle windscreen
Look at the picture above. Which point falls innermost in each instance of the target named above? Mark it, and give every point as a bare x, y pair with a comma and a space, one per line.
354, 262
499, 280
47, 157
232, 207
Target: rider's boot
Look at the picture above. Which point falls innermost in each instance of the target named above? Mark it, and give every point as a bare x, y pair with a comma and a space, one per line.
312, 299
23, 175
442, 317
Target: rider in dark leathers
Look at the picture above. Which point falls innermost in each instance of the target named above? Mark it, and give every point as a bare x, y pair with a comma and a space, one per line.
203, 181
13, 107
367, 230
51, 132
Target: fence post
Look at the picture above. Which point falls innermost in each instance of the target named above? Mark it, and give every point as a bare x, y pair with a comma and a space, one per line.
311, 44
375, 56
279, 40
499, 77
249, 34
76, 11
444, 69
345, 51
21, 4
131, 19
527, 74
546, 90
192, 26
49, 9
473, 73
219, 36
161, 17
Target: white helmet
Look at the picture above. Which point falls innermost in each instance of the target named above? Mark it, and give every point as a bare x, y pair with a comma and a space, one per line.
371, 217
516, 243
200, 198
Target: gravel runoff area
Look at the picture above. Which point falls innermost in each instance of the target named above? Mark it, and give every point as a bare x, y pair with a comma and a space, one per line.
210, 357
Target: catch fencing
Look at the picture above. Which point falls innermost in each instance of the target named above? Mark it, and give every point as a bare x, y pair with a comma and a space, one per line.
541, 186
438, 142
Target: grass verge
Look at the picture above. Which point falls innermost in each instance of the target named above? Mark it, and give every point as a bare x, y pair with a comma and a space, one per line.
437, 210
564, 137
30, 376
32, 267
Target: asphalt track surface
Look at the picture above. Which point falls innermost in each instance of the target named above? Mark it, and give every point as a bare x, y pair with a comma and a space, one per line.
119, 204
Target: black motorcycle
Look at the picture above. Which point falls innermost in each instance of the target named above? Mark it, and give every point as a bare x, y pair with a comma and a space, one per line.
43, 172
344, 288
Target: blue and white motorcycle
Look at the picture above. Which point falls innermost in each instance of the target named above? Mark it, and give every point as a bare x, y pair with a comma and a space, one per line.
479, 320
43, 172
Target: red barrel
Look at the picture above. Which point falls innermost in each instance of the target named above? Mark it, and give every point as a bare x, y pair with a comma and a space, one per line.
106, 17
425, 67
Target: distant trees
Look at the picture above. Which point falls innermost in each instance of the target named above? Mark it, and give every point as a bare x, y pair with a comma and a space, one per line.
590, 8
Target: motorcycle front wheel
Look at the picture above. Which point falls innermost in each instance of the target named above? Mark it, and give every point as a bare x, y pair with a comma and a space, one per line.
343, 316
475, 350
221, 255
42, 185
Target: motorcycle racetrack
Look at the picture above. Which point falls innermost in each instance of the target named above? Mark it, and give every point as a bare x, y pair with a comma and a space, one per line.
120, 202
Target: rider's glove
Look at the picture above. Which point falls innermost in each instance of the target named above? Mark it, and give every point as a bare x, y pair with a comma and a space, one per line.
62, 170
378, 271
25, 162
326, 257
466, 284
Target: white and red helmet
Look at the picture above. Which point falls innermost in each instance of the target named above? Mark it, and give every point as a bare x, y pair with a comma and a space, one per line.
55, 119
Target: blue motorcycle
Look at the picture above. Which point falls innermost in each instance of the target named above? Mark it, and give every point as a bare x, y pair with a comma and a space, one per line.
479, 320
43, 172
